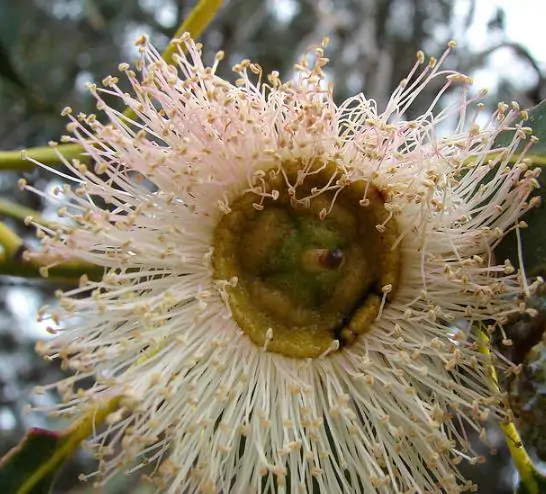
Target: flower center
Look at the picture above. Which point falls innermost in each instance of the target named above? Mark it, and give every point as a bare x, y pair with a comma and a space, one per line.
314, 262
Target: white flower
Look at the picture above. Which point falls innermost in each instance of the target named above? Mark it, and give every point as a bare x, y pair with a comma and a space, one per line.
275, 379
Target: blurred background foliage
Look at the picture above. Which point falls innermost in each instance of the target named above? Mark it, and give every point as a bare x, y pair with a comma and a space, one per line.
49, 49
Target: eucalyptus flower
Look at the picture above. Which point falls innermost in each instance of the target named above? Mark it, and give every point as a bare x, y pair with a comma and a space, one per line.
291, 287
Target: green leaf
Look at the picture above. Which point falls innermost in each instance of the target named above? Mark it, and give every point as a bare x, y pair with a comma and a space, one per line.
20, 463
31, 467
534, 237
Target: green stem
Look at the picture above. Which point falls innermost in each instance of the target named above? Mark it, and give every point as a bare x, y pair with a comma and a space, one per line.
15, 160
68, 272
10, 241
196, 22
522, 461
21, 213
